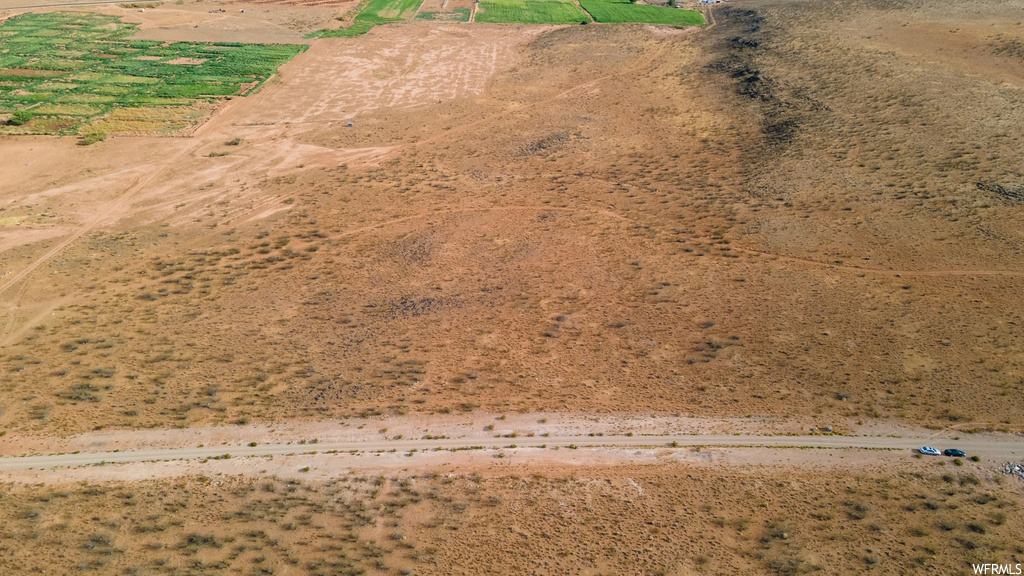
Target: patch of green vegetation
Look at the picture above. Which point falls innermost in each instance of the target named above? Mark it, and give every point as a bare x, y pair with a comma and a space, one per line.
375, 12
62, 71
356, 29
93, 137
530, 12
456, 15
624, 11
384, 11
20, 118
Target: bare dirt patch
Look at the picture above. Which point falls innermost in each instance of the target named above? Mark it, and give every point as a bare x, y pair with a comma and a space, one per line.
220, 21
187, 61
445, 10
29, 73
390, 69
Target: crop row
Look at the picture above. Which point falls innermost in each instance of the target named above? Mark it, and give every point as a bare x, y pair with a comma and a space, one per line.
78, 66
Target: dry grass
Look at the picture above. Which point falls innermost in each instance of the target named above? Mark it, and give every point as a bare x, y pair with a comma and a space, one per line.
800, 212
630, 243
602, 521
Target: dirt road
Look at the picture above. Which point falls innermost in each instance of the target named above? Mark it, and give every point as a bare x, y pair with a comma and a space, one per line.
1009, 447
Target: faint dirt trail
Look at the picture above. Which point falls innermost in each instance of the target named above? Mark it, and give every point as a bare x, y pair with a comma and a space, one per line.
114, 206
417, 11
584, 10
111, 207
220, 118
29, 324
711, 16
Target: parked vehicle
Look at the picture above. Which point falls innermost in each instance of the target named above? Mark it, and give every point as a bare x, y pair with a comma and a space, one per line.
929, 451
954, 452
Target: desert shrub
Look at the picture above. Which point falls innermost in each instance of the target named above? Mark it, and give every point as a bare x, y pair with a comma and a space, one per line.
93, 137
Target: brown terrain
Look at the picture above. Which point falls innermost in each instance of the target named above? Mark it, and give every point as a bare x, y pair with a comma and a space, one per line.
625, 520
802, 214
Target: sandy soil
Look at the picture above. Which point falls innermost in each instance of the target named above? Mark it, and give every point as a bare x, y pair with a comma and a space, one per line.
214, 21
391, 68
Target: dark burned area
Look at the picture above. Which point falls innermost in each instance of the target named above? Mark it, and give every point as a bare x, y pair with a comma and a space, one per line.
745, 39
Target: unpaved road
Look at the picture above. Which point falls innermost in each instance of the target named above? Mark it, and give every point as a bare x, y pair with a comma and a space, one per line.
1008, 447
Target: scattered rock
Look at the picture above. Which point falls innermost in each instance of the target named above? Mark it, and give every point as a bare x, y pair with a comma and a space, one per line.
1013, 469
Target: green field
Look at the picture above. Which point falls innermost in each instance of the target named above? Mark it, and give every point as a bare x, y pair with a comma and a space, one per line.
623, 11
373, 12
385, 11
530, 12
376, 12
456, 15
61, 72
356, 29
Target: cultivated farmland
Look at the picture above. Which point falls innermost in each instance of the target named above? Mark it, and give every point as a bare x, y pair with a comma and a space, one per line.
454, 15
389, 10
529, 12
445, 11
371, 14
374, 12
624, 11
64, 72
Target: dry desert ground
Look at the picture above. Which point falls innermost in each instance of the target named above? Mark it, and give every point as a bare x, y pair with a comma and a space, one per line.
525, 240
